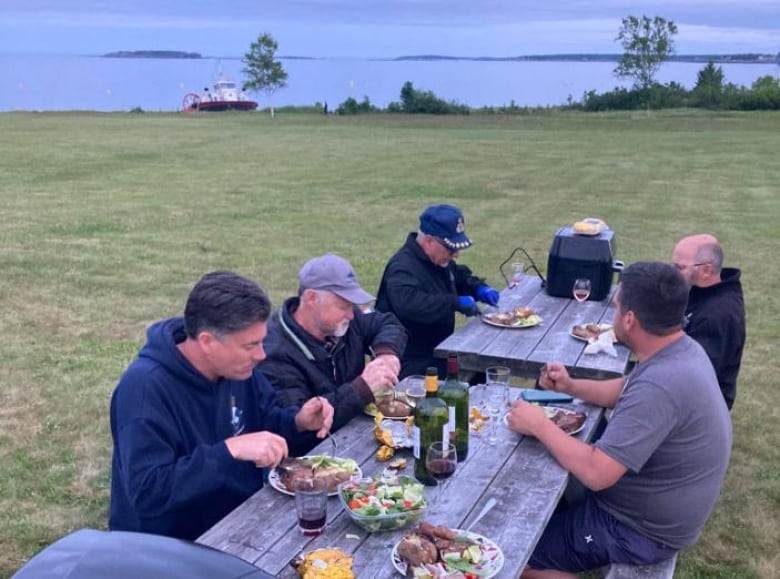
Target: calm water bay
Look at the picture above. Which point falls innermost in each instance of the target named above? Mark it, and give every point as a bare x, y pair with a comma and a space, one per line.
48, 83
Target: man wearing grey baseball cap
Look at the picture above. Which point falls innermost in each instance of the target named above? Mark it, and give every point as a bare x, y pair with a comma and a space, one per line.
318, 341
424, 287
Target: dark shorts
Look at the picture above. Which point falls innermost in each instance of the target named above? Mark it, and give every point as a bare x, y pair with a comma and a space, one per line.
585, 537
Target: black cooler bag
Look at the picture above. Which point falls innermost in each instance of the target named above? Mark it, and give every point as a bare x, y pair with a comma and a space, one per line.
574, 255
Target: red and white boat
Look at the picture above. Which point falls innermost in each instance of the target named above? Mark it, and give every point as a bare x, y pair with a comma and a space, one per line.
226, 96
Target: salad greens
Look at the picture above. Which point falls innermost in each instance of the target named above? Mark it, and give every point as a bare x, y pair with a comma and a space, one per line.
375, 497
325, 461
469, 561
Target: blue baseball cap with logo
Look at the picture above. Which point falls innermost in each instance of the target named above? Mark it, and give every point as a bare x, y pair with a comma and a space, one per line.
334, 274
446, 222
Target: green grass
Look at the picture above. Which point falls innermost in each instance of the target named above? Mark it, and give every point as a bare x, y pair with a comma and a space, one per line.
108, 219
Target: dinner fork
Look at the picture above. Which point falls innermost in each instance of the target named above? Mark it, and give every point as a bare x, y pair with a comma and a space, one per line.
334, 444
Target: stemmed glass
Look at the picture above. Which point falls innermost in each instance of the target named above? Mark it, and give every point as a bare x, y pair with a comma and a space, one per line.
494, 404
440, 462
414, 388
497, 378
517, 274
581, 289
509, 398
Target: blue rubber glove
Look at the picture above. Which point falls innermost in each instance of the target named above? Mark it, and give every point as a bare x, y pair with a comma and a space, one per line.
468, 306
488, 295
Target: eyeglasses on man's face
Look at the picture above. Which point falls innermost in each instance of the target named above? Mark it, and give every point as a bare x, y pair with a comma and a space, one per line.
445, 246
683, 267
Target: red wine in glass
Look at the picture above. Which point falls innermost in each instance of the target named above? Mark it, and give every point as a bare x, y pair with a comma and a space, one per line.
441, 468
312, 522
311, 505
440, 462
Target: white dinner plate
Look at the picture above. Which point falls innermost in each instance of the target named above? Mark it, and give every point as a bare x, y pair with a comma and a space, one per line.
275, 479
604, 328
551, 411
492, 556
530, 322
371, 409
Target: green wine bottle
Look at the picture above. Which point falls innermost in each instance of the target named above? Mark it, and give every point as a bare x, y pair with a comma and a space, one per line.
430, 417
456, 395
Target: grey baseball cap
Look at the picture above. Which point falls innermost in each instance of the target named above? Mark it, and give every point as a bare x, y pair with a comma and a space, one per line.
334, 274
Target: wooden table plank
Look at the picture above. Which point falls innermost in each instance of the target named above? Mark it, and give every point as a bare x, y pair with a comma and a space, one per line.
602, 366
560, 345
517, 471
249, 535
479, 334
526, 350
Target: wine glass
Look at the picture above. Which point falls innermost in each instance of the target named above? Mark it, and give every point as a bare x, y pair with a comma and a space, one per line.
440, 462
494, 404
509, 398
581, 289
517, 274
498, 376
414, 388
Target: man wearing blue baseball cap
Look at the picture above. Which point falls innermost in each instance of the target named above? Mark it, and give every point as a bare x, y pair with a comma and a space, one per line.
424, 287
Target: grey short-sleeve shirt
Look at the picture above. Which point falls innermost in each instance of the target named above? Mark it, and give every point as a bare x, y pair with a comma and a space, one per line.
671, 429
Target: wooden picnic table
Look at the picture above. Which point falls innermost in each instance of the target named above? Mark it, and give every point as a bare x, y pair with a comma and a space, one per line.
517, 472
526, 350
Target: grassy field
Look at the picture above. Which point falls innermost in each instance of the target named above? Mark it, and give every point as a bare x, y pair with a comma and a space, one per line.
108, 219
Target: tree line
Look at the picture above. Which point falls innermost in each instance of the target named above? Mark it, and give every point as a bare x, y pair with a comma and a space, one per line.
647, 43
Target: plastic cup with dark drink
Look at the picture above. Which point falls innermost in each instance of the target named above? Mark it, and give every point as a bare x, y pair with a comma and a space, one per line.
311, 505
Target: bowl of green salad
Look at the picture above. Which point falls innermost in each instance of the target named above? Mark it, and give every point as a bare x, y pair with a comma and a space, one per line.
383, 503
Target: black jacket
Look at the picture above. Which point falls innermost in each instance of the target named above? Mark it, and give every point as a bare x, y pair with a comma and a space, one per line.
424, 296
715, 317
300, 367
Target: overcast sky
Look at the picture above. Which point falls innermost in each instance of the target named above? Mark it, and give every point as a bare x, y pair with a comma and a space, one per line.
376, 28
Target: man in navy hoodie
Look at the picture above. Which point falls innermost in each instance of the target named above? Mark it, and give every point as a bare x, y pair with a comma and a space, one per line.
194, 422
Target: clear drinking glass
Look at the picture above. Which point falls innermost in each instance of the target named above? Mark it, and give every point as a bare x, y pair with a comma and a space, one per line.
517, 274
497, 378
498, 375
509, 397
494, 404
414, 388
581, 289
311, 505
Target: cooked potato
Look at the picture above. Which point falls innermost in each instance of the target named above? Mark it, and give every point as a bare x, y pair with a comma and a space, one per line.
394, 407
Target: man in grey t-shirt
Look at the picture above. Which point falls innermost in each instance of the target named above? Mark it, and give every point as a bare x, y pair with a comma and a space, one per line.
658, 469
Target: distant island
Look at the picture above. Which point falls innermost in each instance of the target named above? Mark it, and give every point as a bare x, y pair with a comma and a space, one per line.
746, 58
152, 54
704, 58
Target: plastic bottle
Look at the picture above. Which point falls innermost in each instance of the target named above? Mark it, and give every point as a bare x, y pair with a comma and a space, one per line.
430, 417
